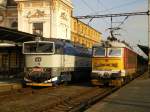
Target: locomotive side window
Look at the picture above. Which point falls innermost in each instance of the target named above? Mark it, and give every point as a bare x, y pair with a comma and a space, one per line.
69, 49
58, 49
114, 52
38, 47
99, 51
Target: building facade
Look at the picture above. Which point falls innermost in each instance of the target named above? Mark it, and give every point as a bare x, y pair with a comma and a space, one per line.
47, 18
83, 33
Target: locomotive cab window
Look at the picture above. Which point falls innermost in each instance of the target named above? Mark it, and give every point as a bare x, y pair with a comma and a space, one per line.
114, 52
99, 51
38, 48
45, 48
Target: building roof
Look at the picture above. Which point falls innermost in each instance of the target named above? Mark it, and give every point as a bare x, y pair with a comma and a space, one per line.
14, 35
85, 24
144, 49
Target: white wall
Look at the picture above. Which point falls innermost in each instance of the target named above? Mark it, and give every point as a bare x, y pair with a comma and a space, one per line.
56, 17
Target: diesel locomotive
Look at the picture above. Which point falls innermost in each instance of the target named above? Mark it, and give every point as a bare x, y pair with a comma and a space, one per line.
54, 61
114, 63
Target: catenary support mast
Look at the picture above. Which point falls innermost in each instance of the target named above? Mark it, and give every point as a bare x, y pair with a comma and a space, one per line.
149, 34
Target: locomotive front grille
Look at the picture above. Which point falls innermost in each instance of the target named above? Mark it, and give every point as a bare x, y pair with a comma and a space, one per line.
38, 75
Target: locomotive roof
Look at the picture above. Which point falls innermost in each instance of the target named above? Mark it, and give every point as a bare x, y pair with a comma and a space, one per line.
112, 44
115, 44
62, 42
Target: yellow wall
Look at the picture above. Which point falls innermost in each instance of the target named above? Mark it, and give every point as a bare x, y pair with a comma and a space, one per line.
84, 34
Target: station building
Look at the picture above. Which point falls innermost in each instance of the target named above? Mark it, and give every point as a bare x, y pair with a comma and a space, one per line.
46, 18
8, 14
10, 57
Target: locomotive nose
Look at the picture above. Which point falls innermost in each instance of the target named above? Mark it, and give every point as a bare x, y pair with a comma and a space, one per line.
106, 75
38, 76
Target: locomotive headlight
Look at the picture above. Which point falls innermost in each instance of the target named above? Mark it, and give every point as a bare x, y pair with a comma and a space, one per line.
48, 81
122, 72
27, 80
55, 79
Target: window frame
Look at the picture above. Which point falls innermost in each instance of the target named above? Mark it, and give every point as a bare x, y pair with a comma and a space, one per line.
93, 54
41, 29
108, 49
39, 42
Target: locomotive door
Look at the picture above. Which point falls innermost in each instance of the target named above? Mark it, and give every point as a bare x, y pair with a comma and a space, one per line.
62, 62
60, 51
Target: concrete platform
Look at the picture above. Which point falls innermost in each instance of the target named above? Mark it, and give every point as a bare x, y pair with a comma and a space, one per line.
134, 97
10, 84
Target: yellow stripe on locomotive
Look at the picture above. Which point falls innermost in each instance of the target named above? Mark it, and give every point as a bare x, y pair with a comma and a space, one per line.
107, 63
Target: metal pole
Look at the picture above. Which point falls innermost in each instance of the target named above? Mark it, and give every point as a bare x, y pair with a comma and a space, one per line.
149, 36
111, 29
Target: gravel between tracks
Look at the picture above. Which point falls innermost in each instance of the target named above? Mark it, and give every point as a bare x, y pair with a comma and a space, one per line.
63, 98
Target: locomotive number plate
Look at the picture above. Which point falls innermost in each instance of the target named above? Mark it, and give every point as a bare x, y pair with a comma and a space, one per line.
37, 69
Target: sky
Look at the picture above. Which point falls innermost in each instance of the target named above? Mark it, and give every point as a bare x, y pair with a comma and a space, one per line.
134, 30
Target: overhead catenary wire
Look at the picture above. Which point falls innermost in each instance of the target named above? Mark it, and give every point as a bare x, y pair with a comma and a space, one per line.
88, 5
98, 2
122, 5
90, 9
101, 3
113, 15
123, 21
106, 9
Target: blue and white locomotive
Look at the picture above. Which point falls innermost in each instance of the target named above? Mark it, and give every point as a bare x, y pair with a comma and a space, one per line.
55, 61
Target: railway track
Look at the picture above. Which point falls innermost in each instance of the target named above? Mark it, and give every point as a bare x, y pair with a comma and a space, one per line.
73, 98
22, 91
79, 102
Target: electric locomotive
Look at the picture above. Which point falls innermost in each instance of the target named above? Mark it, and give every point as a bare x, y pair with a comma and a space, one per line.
55, 61
113, 63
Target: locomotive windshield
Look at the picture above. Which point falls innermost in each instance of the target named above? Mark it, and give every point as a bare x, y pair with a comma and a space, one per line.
38, 47
99, 51
114, 52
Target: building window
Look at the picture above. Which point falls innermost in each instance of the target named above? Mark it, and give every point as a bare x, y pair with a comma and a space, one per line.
66, 32
74, 26
85, 31
89, 32
38, 29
